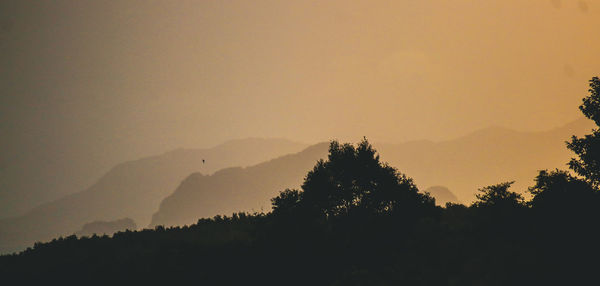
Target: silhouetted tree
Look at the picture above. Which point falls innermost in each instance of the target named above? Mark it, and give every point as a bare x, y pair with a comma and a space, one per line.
499, 196
587, 148
562, 194
564, 222
498, 209
287, 202
354, 181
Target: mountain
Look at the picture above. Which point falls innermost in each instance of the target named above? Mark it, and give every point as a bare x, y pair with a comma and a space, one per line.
479, 159
106, 227
133, 189
236, 189
136, 189
485, 157
442, 195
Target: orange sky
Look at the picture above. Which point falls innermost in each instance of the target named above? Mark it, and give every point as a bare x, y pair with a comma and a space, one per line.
89, 84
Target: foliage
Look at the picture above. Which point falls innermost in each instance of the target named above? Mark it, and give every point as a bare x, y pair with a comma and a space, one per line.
353, 181
558, 189
587, 148
499, 196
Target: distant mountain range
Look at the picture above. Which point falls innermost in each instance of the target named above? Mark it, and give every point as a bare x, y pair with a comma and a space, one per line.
159, 190
236, 189
442, 195
133, 189
106, 227
485, 157
463, 165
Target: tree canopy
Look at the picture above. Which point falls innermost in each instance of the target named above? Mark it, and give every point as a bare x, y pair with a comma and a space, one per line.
353, 181
499, 196
587, 148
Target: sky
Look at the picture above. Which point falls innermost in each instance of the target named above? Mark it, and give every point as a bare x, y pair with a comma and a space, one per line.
88, 84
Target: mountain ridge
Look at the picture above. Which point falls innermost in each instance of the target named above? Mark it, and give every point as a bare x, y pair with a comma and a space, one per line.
478, 159
463, 165
257, 188
132, 189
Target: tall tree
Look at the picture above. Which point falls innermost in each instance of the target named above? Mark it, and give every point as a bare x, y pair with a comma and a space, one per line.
562, 194
499, 196
352, 181
587, 148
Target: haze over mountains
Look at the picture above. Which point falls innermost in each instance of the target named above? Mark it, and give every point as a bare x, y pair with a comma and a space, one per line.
87, 85
463, 165
484, 157
236, 189
442, 195
133, 189
136, 189
249, 189
106, 227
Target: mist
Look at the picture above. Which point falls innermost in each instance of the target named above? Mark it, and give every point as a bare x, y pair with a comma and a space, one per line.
85, 86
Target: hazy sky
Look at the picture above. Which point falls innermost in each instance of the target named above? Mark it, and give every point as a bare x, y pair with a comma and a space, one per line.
87, 84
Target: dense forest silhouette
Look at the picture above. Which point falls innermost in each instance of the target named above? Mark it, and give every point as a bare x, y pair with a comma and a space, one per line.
359, 221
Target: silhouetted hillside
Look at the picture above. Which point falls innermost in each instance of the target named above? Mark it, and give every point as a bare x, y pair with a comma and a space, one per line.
442, 195
106, 227
236, 189
133, 189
